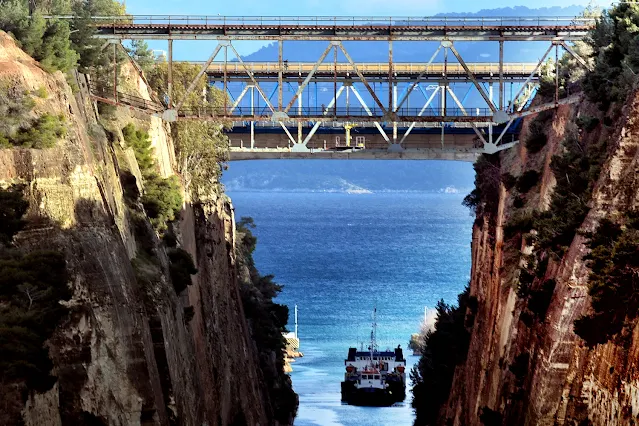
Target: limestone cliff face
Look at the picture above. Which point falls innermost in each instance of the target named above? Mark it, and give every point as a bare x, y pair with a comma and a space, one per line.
566, 383
126, 355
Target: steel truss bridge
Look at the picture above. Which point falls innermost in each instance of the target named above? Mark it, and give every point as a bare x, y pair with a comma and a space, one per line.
377, 99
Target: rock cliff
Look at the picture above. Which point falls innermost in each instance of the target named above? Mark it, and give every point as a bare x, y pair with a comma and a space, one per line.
128, 353
525, 364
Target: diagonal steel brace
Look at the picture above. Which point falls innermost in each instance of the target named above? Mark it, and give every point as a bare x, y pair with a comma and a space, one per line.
472, 78
364, 81
308, 77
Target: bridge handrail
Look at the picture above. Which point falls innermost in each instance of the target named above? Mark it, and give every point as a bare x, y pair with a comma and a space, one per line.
335, 112
368, 67
408, 21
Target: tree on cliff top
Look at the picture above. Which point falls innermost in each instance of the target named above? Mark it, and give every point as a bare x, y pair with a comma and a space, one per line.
615, 46
201, 146
58, 44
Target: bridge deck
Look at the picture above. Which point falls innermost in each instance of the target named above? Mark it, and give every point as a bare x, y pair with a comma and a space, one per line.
342, 28
470, 155
264, 70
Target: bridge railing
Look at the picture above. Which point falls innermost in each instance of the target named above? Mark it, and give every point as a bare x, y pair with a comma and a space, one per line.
333, 112
368, 68
345, 21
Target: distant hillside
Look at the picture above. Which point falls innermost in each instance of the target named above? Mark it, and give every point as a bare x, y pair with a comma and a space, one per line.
352, 176
421, 51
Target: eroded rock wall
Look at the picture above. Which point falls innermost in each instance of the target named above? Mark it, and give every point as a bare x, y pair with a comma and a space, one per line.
126, 355
566, 383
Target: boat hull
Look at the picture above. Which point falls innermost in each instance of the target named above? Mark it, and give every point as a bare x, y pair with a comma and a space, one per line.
372, 397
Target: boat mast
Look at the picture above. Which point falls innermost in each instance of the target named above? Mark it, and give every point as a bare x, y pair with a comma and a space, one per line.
374, 334
296, 321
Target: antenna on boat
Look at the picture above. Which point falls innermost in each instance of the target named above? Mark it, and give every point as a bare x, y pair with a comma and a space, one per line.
296, 321
374, 334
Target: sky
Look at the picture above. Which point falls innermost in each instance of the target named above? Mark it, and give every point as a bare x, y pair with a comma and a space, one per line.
327, 7
397, 8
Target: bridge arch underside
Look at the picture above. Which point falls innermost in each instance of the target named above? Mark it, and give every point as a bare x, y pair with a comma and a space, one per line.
455, 143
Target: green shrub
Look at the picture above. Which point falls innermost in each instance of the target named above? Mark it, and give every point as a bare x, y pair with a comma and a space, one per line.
518, 202
508, 180
613, 285
44, 133
31, 287
41, 92
527, 181
140, 142
12, 208
445, 348
614, 45
17, 128
537, 137
587, 123
519, 223
15, 108
576, 171
162, 198
267, 321
484, 199
181, 268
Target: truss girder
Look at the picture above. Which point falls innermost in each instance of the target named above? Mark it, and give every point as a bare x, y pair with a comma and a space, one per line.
352, 28
383, 113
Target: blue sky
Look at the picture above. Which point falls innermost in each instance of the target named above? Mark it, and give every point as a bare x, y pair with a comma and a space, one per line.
200, 50
328, 7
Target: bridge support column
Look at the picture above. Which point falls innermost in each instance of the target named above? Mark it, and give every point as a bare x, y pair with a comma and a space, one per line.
169, 85
252, 121
501, 75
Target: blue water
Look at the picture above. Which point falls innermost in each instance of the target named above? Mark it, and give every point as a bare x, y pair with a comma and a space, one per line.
338, 255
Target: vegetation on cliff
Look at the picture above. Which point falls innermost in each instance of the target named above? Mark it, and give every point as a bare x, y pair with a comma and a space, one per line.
484, 199
615, 47
31, 288
267, 321
20, 128
58, 44
613, 282
162, 197
538, 233
201, 146
445, 347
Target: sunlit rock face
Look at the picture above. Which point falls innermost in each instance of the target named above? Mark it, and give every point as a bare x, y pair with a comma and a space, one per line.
564, 382
126, 354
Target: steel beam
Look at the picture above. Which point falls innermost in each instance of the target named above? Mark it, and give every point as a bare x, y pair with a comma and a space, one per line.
199, 75
170, 75
250, 74
280, 86
426, 105
551, 105
362, 78
309, 76
574, 54
472, 77
319, 123
475, 129
420, 76
539, 63
368, 111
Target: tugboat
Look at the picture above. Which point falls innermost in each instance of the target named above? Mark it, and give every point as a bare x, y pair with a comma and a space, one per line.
374, 378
